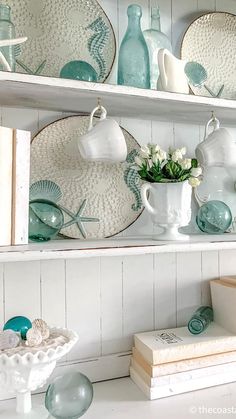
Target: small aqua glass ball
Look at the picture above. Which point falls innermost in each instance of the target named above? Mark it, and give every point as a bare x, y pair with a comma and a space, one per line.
214, 217
18, 324
45, 220
69, 396
79, 70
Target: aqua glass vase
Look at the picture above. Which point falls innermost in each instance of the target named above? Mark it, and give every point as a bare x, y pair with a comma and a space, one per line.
214, 217
7, 31
155, 40
133, 62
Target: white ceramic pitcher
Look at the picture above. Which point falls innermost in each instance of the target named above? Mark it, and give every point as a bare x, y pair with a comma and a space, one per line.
172, 75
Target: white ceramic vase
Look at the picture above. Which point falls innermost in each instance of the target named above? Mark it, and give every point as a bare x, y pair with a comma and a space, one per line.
170, 207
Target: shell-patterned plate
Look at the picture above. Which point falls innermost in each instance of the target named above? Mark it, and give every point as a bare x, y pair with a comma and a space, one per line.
98, 199
60, 31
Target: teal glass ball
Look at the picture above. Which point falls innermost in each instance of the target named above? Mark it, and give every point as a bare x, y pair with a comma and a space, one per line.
214, 217
18, 324
79, 70
45, 220
69, 396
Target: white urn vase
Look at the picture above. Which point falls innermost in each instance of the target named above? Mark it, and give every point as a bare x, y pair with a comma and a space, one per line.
170, 207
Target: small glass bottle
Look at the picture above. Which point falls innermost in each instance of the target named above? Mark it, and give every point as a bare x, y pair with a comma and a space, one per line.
7, 31
133, 63
155, 40
200, 320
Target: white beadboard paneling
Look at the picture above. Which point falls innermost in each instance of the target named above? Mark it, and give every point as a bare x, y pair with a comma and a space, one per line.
188, 136
22, 289
210, 270
26, 119
111, 304
227, 262
206, 5
183, 13
162, 133
188, 285
138, 284
226, 6
165, 290
83, 306
2, 302
53, 292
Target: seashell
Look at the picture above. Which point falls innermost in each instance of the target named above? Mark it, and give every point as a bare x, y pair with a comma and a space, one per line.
45, 189
34, 337
42, 326
8, 339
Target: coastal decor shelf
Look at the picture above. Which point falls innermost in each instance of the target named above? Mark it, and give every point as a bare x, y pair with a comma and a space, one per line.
74, 249
28, 91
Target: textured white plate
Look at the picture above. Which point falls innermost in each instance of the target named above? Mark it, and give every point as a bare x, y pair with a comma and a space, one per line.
211, 41
59, 31
112, 191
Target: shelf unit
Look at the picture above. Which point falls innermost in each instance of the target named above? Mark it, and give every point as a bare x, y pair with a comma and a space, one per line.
122, 399
22, 90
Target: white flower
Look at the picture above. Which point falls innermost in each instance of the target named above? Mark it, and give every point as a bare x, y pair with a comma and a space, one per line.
163, 155
185, 163
183, 151
139, 161
155, 158
150, 163
177, 155
155, 148
196, 171
145, 152
193, 181
160, 156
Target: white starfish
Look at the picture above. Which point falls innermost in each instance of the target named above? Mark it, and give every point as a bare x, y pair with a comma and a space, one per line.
7, 43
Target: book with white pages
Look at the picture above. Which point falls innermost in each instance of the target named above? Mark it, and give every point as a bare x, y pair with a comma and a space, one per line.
169, 345
223, 296
6, 147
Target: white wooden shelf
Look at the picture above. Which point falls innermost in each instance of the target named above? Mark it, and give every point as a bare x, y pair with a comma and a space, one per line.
73, 249
22, 90
121, 399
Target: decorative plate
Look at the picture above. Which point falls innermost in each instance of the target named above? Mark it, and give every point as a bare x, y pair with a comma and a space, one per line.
98, 199
211, 41
60, 31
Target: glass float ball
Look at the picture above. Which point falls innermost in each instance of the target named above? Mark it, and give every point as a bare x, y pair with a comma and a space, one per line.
69, 396
45, 220
214, 217
79, 70
18, 324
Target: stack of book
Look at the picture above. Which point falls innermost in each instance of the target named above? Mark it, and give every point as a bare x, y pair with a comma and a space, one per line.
173, 361
14, 186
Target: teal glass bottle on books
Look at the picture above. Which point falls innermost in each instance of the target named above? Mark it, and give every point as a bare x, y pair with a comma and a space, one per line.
155, 40
133, 62
200, 320
7, 31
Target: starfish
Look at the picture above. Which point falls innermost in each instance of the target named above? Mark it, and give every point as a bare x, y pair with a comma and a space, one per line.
7, 43
78, 218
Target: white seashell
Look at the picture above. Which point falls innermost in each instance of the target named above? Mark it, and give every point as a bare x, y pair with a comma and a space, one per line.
45, 189
42, 326
34, 337
8, 339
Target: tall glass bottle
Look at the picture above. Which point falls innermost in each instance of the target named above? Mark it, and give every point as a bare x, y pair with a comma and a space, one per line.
155, 40
7, 31
133, 63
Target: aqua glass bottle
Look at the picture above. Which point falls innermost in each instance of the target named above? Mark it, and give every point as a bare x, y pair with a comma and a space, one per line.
133, 62
7, 31
200, 320
155, 40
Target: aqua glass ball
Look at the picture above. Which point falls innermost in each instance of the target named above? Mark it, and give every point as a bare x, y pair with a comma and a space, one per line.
69, 396
18, 324
45, 220
214, 217
79, 70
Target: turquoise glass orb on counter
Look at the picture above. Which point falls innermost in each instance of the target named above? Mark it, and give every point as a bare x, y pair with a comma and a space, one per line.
18, 324
79, 70
214, 217
45, 220
69, 396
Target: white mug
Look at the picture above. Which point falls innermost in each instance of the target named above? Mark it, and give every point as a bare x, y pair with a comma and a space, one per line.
218, 149
104, 141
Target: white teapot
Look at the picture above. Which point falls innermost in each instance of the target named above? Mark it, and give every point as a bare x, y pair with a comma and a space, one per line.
172, 75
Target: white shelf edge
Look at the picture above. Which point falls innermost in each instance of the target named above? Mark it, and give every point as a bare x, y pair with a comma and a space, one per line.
74, 249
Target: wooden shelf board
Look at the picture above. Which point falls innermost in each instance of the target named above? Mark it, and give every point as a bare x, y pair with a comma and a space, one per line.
121, 399
23, 90
71, 249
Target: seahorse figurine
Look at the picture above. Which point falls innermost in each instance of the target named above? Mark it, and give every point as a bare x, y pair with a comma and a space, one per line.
96, 44
132, 180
